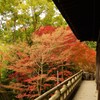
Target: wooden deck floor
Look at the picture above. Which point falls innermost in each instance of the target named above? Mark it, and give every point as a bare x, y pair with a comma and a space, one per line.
86, 91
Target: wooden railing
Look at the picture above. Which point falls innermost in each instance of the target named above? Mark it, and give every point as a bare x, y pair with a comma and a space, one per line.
64, 90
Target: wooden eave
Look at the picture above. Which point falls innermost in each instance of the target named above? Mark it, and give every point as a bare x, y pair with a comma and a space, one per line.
81, 17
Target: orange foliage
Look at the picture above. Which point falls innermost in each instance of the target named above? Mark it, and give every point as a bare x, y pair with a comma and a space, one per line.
35, 67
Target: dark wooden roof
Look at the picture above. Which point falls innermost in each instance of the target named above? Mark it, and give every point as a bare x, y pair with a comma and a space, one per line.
81, 17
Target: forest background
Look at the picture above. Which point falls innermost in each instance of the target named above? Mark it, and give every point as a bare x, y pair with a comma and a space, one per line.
38, 50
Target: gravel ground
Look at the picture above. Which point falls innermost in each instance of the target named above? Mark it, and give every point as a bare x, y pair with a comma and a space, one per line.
87, 91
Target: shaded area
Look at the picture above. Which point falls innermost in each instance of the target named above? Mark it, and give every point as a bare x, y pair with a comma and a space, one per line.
81, 16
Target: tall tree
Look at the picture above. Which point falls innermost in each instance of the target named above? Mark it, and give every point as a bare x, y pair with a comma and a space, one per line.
20, 18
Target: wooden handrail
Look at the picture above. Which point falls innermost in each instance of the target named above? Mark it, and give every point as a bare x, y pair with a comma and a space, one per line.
64, 89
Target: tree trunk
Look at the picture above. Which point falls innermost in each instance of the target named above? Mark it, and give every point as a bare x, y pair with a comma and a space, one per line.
38, 88
57, 77
14, 39
62, 72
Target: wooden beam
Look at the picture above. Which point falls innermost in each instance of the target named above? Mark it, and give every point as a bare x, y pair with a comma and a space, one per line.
98, 66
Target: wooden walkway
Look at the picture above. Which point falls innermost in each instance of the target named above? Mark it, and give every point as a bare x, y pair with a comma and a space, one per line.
86, 91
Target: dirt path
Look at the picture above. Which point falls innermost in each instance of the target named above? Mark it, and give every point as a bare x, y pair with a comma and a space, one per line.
87, 91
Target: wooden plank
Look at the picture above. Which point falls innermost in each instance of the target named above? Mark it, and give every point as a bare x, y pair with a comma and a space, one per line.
86, 91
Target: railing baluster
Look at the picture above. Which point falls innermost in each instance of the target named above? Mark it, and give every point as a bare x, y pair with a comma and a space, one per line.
68, 87
72, 82
63, 92
56, 96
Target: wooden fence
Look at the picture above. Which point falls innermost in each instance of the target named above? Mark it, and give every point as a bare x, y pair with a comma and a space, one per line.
64, 90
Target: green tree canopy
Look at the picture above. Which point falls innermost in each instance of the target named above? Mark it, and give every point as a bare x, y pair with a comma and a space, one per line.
19, 18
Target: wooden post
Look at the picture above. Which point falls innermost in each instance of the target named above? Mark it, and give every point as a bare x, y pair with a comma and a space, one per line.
63, 92
98, 94
56, 96
98, 66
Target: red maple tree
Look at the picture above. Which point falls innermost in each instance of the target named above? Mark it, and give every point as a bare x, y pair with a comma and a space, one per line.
53, 57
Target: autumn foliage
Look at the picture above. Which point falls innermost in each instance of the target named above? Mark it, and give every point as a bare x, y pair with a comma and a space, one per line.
54, 55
